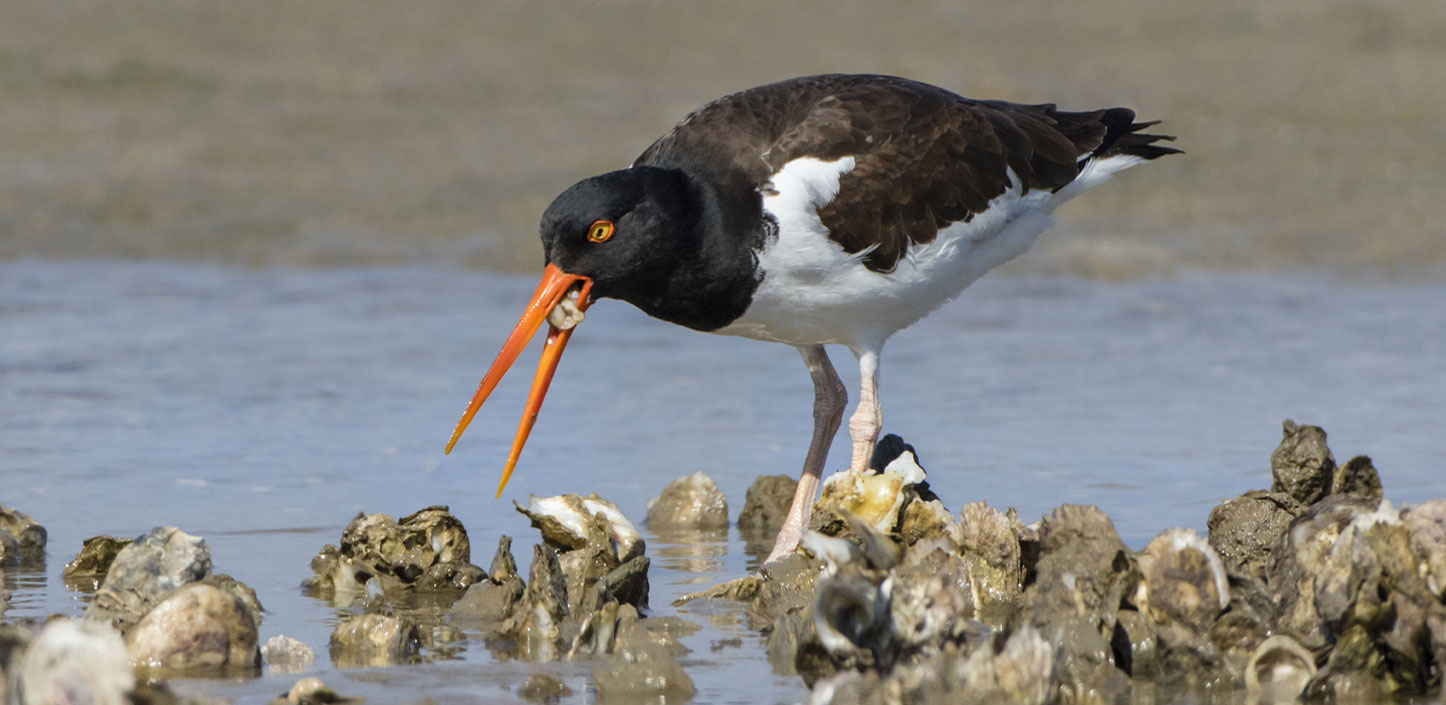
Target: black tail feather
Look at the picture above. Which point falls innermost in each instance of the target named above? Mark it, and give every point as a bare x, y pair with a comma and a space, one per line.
1108, 132
1123, 136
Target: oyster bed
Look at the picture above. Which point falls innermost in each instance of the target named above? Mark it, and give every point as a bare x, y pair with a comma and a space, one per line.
1315, 589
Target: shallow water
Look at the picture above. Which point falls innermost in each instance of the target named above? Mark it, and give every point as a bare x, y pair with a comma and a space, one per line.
262, 409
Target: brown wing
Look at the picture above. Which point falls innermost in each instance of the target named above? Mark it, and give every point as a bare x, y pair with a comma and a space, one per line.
923, 156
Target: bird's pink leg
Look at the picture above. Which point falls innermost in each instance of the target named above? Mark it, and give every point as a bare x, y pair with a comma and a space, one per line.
829, 399
866, 421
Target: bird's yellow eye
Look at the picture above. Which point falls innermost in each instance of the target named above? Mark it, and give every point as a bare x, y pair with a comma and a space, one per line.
600, 230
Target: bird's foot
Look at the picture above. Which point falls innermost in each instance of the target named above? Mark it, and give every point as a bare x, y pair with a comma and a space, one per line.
787, 543
797, 520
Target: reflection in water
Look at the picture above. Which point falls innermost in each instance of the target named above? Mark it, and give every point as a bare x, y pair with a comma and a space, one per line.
407, 630
757, 544
698, 552
27, 584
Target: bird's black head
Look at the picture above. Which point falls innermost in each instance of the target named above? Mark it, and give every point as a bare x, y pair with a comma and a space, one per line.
638, 235
625, 230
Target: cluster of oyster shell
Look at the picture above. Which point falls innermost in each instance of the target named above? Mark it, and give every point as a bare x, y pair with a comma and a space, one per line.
1316, 589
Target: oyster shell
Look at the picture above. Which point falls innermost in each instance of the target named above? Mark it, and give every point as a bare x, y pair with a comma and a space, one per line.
564, 520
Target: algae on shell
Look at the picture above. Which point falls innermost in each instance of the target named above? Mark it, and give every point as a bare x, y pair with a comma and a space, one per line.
427, 550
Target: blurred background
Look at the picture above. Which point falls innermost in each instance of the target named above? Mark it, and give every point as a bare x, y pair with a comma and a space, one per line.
359, 132
255, 255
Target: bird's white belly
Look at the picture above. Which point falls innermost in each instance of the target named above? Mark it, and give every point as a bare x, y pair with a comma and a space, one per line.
814, 292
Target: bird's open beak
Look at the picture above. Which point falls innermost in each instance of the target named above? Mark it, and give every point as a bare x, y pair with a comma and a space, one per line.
554, 288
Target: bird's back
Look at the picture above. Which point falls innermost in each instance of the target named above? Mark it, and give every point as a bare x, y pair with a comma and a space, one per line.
923, 157
870, 200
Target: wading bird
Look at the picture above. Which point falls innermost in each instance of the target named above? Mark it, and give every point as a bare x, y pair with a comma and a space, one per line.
825, 209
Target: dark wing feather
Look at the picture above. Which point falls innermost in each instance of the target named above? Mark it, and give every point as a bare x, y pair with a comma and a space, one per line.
923, 157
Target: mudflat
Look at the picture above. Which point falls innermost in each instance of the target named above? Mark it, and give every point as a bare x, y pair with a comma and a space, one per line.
335, 133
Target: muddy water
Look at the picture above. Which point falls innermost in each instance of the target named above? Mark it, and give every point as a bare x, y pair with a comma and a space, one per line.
262, 409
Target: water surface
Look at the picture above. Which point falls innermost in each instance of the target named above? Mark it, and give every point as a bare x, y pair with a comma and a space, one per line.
263, 408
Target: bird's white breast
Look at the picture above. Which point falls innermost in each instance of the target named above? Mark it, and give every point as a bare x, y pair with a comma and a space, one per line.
814, 292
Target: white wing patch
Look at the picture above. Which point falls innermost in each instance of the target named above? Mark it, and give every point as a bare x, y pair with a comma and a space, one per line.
815, 292
806, 184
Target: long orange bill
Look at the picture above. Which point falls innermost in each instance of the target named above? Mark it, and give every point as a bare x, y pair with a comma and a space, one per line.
554, 286
551, 352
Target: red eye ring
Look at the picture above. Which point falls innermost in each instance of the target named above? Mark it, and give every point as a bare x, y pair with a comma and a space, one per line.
600, 231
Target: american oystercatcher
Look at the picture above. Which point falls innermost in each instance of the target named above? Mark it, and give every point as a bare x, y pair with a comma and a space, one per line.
825, 209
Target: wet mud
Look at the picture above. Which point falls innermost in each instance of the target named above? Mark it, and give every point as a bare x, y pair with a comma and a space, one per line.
1315, 589
222, 134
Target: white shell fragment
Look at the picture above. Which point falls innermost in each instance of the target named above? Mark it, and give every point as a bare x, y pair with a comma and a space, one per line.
907, 467
566, 314
565, 519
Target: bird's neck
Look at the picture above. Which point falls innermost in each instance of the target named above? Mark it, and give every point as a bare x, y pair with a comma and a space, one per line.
716, 275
